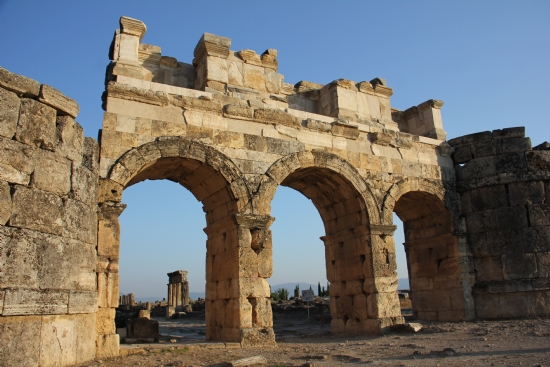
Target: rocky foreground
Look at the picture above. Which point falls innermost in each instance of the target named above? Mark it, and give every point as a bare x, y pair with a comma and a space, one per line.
303, 342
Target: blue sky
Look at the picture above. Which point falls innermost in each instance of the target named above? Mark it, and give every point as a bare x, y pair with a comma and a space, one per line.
488, 60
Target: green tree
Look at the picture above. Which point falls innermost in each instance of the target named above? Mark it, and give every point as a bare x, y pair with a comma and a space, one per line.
319, 289
275, 297
282, 293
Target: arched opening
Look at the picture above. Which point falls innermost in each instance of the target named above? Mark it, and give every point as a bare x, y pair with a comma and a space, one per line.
298, 260
433, 258
214, 181
162, 232
403, 287
346, 241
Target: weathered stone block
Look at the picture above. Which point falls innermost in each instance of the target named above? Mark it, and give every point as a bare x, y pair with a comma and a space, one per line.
107, 346
83, 302
519, 266
19, 84
462, 155
538, 160
509, 133
487, 306
80, 221
85, 340
84, 185
105, 321
18, 259
511, 217
514, 305
254, 77
57, 341
539, 215
539, 304
37, 125
71, 138
543, 264
52, 173
488, 269
477, 168
382, 305
35, 302
37, 210
90, 155
481, 221
526, 193
485, 198
56, 99
486, 149
20, 340
536, 239
16, 161
5, 202
471, 138
516, 145
9, 113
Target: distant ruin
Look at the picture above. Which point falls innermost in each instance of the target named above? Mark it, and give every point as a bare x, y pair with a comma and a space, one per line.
178, 292
229, 129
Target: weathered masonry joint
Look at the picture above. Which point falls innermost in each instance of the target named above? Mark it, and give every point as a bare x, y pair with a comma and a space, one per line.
229, 129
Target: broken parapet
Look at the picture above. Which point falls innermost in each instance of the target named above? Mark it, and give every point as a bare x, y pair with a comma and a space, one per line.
48, 231
504, 187
248, 76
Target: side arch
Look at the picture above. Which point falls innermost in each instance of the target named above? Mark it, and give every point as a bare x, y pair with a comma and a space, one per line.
437, 261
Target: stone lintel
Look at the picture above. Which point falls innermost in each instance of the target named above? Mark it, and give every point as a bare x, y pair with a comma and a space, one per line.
383, 229
133, 27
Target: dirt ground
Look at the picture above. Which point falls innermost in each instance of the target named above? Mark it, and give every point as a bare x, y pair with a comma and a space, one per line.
303, 342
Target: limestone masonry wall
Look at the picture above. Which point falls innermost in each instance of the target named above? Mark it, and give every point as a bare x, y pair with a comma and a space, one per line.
228, 128
504, 187
48, 228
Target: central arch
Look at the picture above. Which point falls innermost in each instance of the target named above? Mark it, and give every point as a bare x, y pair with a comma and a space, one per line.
352, 250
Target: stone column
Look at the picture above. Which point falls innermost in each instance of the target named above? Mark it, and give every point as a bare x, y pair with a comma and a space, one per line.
239, 260
381, 282
108, 245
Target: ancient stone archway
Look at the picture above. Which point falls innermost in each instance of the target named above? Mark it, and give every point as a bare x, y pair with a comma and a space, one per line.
234, 292
439, 275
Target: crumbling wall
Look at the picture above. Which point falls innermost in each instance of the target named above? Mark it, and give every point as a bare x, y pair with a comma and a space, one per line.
505, 195
48, 227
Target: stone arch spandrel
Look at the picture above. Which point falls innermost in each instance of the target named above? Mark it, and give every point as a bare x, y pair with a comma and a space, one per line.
133, 166
285, 166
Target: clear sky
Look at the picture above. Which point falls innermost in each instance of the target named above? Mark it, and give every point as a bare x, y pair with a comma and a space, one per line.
488, 60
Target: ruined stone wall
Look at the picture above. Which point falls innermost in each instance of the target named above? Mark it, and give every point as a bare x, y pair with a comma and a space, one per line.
505, 195
48, 228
